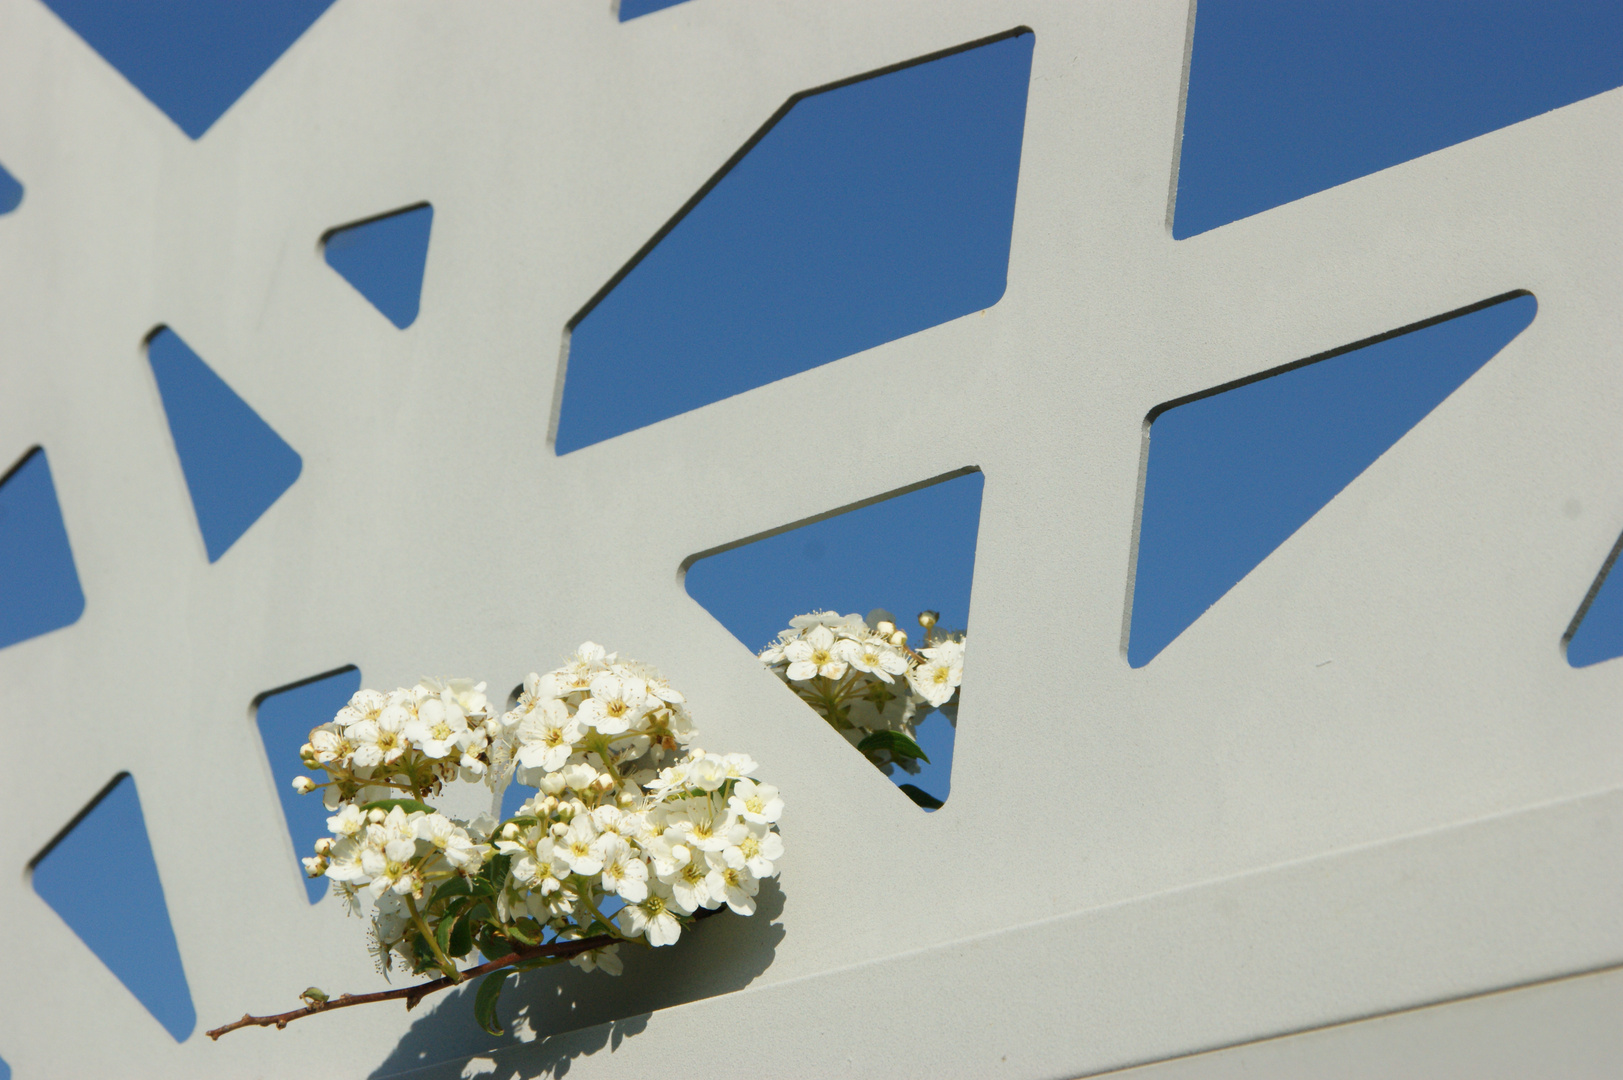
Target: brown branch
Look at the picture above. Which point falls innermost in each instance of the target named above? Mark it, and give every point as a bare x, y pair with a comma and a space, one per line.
413, 994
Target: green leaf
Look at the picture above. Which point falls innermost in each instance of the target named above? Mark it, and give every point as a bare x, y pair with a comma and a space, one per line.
528, 939
491, 944
922, 797
421, 951
461, 938
410, 806
899, 745
442, 934
484, 1002
457, 886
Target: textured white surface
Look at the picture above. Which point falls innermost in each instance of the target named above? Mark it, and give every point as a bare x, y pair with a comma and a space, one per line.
1258, 842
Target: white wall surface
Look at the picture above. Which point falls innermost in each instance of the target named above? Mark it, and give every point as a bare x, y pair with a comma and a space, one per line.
1246, 841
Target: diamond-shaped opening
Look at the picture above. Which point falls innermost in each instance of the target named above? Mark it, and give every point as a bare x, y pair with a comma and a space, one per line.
1288, 99
861, 212
235, 464
1232, 472
39, 584
383, 257
118, 911
285, 717
1596, 631
904, 552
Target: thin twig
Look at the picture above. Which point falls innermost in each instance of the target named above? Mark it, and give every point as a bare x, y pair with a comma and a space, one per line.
413, 994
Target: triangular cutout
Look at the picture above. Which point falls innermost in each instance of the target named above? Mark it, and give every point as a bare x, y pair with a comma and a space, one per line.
860, 213
906, 553
285, 718
191, 58
121, 914
235, 464
1234, 472
39, 585
11, 192
1596, 632
634, 9
384, 257
1288, 99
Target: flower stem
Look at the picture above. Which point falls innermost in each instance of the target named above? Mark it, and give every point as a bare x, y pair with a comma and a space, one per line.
446, 966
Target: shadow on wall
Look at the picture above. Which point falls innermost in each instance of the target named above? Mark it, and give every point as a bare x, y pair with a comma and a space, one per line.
562, 1013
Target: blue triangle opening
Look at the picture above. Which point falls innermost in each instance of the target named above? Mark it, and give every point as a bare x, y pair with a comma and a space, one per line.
235, 464
39, 585
285, 718
1598, 633
1287, 99
860, 214
123, 919
906, 554
191, 58
383, 258
1233, 474
11, 192
632, 9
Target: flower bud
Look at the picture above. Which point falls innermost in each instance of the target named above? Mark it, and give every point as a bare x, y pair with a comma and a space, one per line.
324, 846
605, 782
303, 785
559, 828
928, 619
509, 831
376, 816
899, 638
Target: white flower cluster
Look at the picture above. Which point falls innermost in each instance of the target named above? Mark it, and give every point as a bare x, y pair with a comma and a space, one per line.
612, 819
861, 676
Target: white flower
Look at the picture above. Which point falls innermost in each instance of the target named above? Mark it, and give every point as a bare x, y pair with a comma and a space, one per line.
708, 772
363, 705
614, 706
607, 958
652, 917
847, 623
472, 762
578, 777
381, 741
547, 736
347, 822
694, 823
873, 656
437, 728
752, 846
814, 655
623, 873
329, 746
754, 802
689, 892
732, 885
578, 847
937, 678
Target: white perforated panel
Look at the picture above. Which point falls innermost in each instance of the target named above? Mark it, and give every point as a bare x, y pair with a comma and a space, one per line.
1239, 840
